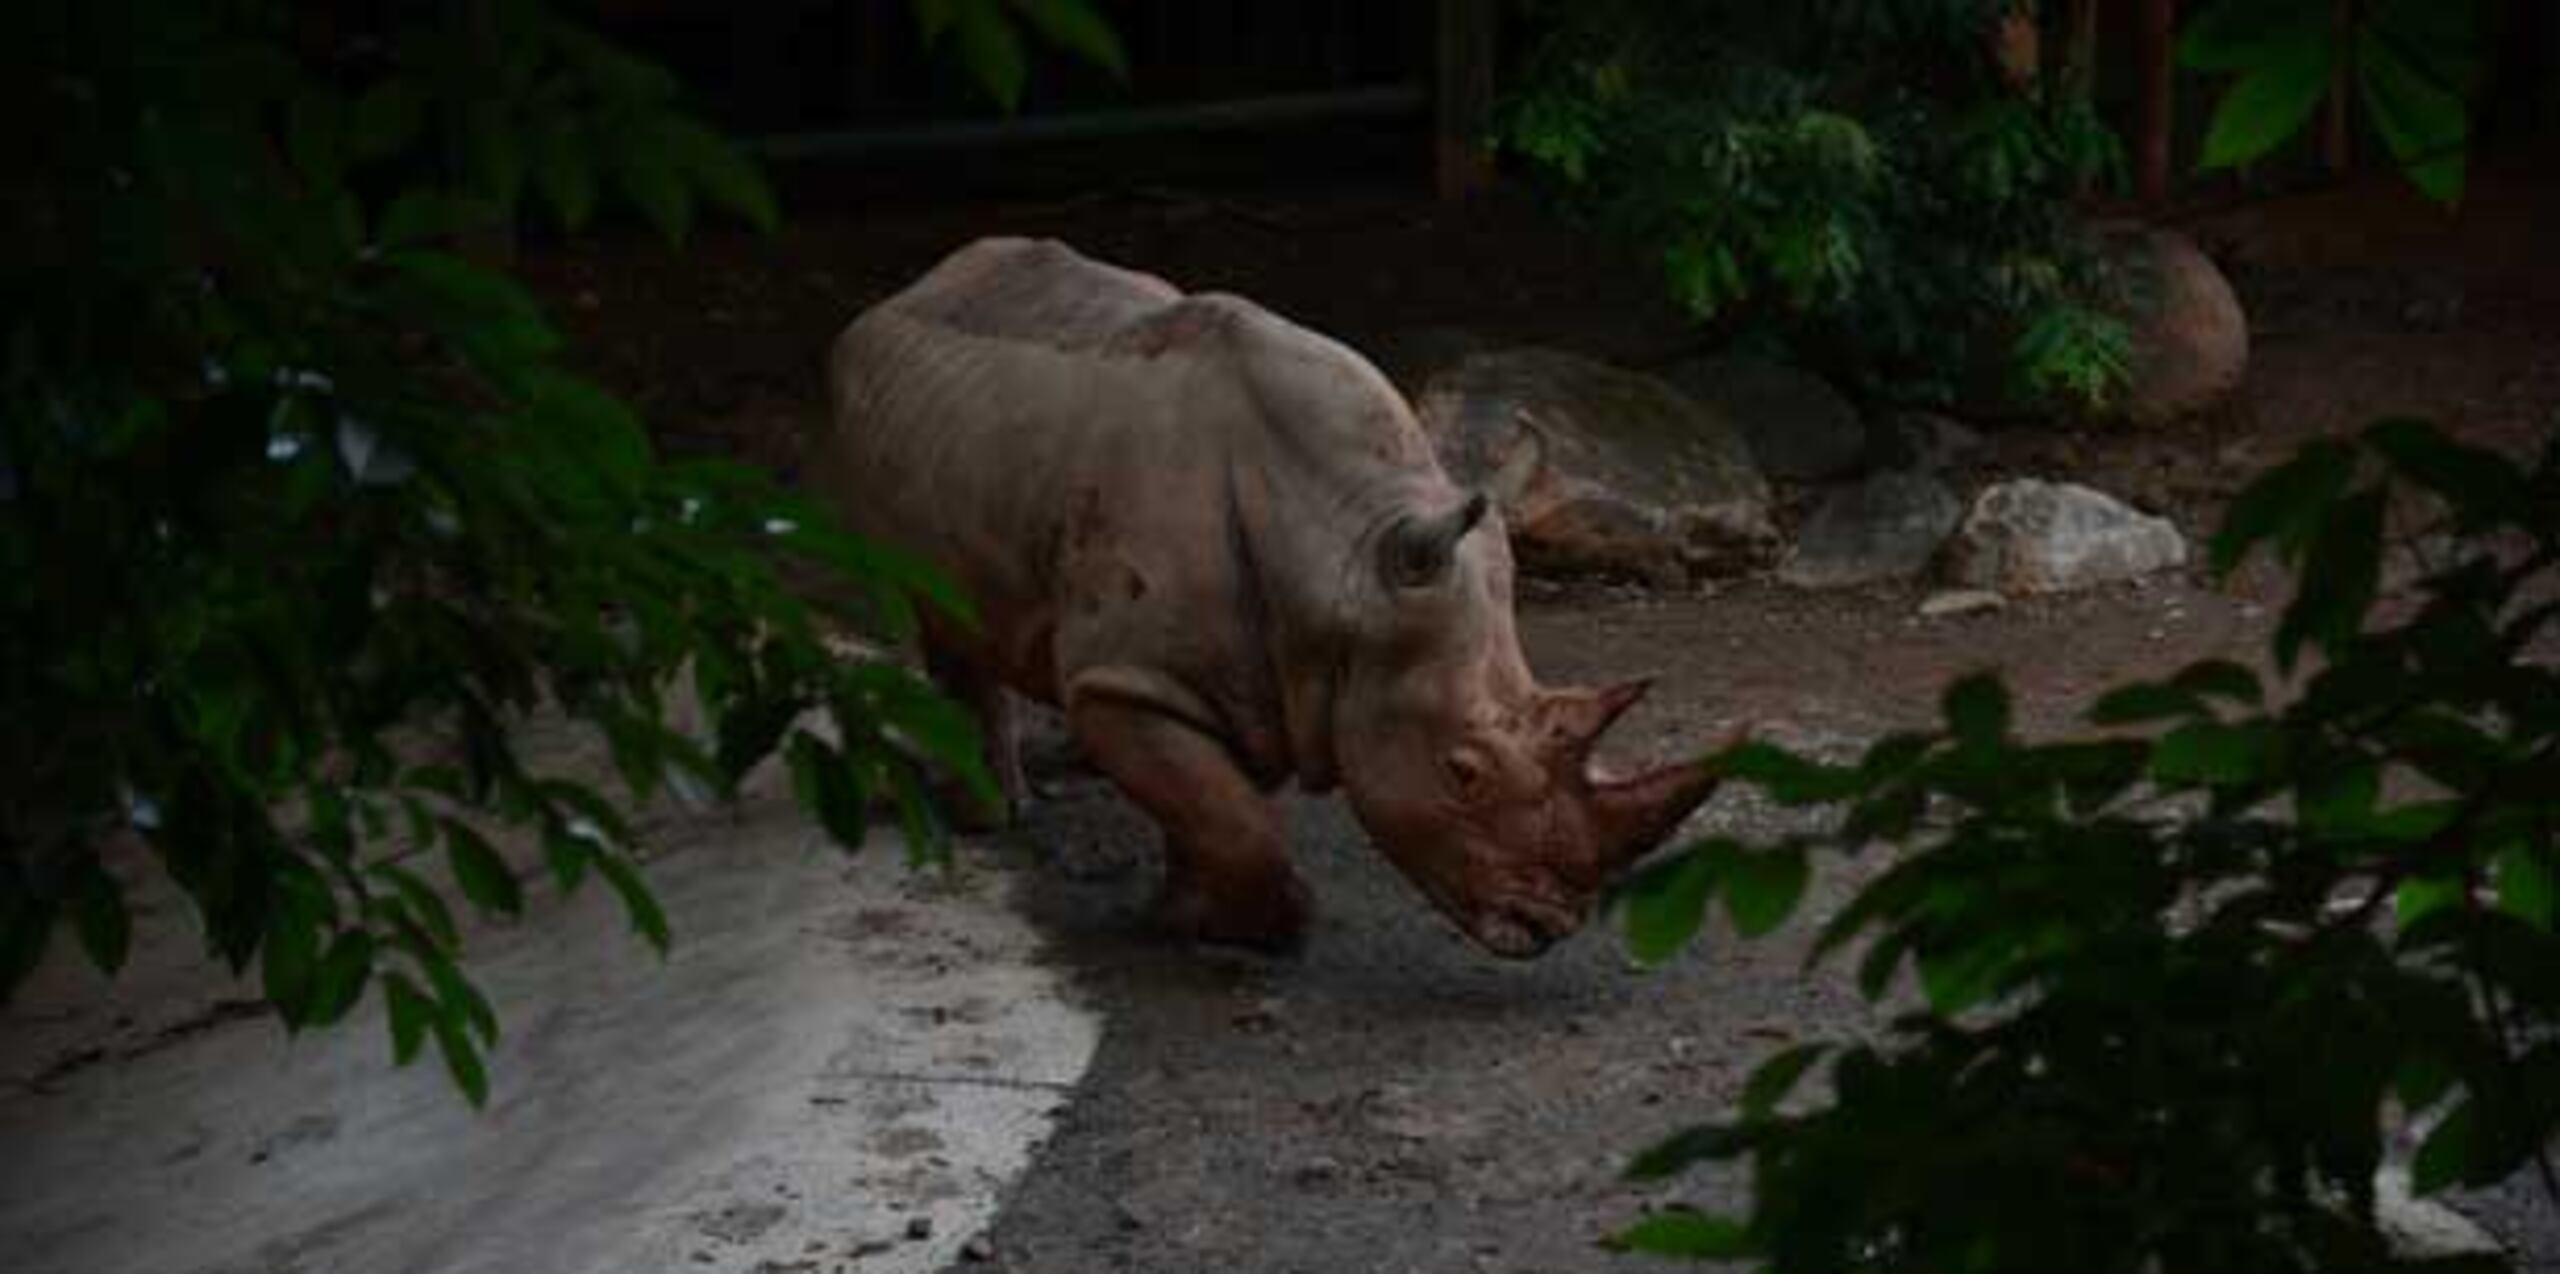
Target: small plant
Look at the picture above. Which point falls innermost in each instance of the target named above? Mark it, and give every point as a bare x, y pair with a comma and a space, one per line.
2176, 979
1798, 177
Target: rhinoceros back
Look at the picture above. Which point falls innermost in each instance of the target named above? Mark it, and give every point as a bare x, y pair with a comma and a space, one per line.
1032, 422
1123, 474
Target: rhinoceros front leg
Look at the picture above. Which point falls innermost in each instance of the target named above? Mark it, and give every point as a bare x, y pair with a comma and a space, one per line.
1227, 872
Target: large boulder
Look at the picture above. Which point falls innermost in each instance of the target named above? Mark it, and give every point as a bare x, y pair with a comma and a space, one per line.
2190, 336
1798, 427
1412, 356
1887, 527
2032, 536
1599, 470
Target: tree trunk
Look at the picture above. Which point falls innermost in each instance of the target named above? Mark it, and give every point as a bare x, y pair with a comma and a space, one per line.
1465, 97
2153, 137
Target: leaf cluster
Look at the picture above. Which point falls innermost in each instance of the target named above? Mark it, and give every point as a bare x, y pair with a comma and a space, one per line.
301, 509
2415, 66
2174, 979
1804, 183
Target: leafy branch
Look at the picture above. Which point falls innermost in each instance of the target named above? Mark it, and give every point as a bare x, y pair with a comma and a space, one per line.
2163, 1017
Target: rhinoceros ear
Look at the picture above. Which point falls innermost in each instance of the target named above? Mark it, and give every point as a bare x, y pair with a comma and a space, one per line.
1416, 550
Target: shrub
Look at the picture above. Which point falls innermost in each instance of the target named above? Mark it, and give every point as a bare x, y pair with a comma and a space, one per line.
2173, 978
300, 507
1861, 182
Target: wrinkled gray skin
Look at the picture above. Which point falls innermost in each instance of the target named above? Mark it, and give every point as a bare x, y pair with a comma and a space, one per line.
1220, 543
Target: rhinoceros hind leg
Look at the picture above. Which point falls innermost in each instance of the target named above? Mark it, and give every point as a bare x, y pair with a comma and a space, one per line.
1227, 873
975, 689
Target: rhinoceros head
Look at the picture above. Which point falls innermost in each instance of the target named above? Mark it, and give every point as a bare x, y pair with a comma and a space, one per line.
1479, 784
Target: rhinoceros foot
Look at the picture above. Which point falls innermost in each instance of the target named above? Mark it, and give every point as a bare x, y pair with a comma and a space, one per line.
1264, 917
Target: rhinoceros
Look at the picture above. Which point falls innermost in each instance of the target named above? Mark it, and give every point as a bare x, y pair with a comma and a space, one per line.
1221, 545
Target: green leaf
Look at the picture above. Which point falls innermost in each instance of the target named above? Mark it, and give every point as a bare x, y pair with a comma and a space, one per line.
565, 173
566, 854
2424, 896
462, 1058
2213, 754
2338, 799
481, 871
461, 1000
2283, 502
98, 910
2145, 702
340, 979
1667, 901
2421, 1082
2340, 577
2525, 884
824, 782
420, 902
1693, 1235
2268, 104
314, 137
1773, 1079
990, 50
386, 119
1787, 778
723, 172
1958, 977
2221, 679
419, 217
287, 956
638, 903
1761, 889
2482, 485
2444, 1158
409, 1011
654, 185
1074, 26
2421, 108
1977, 709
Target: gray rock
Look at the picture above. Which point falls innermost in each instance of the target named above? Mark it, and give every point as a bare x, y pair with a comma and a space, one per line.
2032, 536
1798, 427
1887, 527
2190, 336
1411, 357
1926, 441
1599, 470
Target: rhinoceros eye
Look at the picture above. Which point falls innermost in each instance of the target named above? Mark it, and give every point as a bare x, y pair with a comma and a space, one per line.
1417, 550
1469, 776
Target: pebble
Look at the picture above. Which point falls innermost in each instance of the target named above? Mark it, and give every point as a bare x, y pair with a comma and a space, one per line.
1961, 601
919, 1228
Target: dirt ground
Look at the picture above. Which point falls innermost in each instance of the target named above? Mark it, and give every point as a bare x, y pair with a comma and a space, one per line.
1394, 1100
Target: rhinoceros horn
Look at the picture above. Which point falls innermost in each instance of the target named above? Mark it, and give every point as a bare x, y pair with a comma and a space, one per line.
1632, 814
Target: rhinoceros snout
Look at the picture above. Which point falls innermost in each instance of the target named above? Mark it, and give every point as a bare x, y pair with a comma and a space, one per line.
1523, 929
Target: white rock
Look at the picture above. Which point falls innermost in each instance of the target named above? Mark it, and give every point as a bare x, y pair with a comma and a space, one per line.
2032, 536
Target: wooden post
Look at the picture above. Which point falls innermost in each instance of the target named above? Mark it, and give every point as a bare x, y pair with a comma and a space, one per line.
2337, 145
2153, 137
1464, 97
